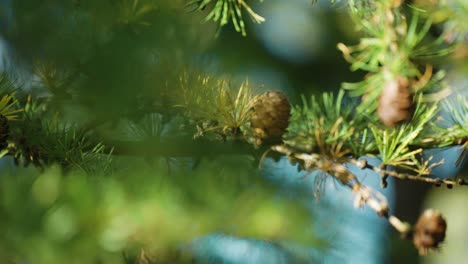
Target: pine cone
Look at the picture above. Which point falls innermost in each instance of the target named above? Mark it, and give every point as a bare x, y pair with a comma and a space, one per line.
270, 117
395, 102
429, 231
4, 131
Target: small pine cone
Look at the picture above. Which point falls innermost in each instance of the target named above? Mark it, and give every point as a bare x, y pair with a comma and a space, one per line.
395, 102
429, 231
270, 117
4, 131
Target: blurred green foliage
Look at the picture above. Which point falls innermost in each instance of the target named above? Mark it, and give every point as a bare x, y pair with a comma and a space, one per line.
57, 217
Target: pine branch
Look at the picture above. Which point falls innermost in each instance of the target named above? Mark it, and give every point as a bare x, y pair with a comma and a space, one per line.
323, 134
391, 48
364, 195
405, 176
225, 11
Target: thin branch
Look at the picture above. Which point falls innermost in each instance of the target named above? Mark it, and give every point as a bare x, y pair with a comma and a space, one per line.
405, 176
428, 232
363, 195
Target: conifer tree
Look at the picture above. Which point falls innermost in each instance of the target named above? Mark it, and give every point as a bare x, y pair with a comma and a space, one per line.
121, 144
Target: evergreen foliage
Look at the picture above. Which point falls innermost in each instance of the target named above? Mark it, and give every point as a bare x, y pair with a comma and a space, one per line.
136, 151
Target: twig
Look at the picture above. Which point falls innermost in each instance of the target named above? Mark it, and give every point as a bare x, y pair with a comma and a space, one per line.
363, 195
405, 176
426, 234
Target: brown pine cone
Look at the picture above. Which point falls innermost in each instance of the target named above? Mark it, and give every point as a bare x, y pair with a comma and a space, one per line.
270, 117
429, 231
395, 102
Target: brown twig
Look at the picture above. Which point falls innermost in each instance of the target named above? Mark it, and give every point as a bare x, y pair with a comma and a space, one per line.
363, 195
405, 176
429, 231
